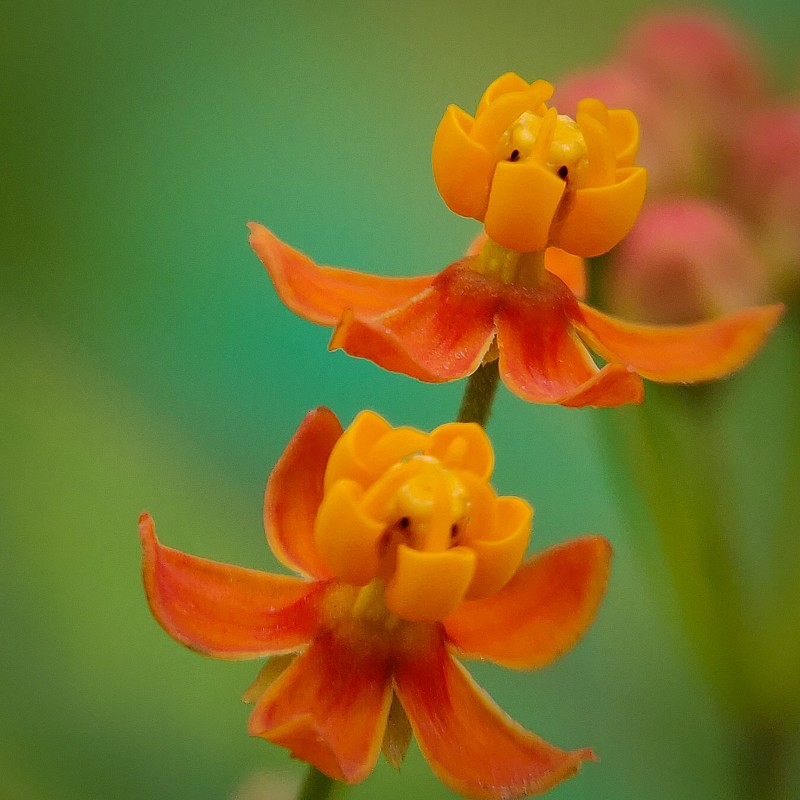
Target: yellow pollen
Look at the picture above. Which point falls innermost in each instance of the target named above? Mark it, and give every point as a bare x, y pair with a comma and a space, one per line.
553, 140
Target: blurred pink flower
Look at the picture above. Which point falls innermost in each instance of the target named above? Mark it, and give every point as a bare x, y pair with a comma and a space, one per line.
711, 132
685, 261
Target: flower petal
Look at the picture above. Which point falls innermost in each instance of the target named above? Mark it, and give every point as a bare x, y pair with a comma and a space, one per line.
680, 353
624, 129
498, 556
440, 335
571, 269
470, 743
330, 707
542, 361
295, 490
462, 168
222, 610
597, 218
522, 204
429, 586
321, 294
541, 612
346, 537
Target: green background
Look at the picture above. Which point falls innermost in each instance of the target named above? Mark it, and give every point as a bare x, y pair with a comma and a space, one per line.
146, 363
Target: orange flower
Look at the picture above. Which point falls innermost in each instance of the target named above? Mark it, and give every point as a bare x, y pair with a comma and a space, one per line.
524, 308
408, 558
537, 178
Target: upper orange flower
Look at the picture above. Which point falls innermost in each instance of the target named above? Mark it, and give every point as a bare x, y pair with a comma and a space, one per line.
409, 558
524, 309
536, 178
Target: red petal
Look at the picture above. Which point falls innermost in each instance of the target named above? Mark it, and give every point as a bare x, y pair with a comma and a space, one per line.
222, 610
321, 294
440, 335
680, 353
295, 490
541, 358
470, 743
330, 707
541, 612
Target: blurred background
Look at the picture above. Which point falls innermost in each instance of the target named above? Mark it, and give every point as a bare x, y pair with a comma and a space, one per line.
147, 363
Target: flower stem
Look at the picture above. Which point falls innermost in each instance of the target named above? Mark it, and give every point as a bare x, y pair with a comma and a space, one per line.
476, 405
318, 786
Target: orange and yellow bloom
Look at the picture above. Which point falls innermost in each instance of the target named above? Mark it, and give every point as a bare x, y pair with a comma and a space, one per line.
550, 191
536, 178
408, 558
523, 309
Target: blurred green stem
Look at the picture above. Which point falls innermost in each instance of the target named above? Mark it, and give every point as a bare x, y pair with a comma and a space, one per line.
476, 405
318, 786
763, 758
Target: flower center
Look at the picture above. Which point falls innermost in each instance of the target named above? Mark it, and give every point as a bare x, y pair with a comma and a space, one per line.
415, 513
553, 140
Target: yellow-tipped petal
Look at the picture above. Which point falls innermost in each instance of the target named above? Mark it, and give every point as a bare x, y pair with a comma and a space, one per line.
346, 537
463, 446
462, 167
522, 204
499, 558
429, 586
597, 218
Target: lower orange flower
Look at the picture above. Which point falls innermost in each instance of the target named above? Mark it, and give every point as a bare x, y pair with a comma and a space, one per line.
408, 558
524, 308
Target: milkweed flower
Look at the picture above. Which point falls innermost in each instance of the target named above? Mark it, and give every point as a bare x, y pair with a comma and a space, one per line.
499, 304
408, 559
537, 178
550, 190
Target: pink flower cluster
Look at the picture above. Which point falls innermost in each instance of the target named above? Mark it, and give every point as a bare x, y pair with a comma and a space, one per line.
720, 228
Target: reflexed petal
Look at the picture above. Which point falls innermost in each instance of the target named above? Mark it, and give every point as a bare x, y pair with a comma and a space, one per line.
571, 269
470, 743
541, 612
597, 218
440, 335
223, 610
329, 707
542, 361
681, 353
295, 491
522, 204
321, 294
428, 586
462, 168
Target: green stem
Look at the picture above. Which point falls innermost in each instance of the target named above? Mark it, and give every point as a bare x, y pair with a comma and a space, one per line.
763, 762
476, 405
318, 786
